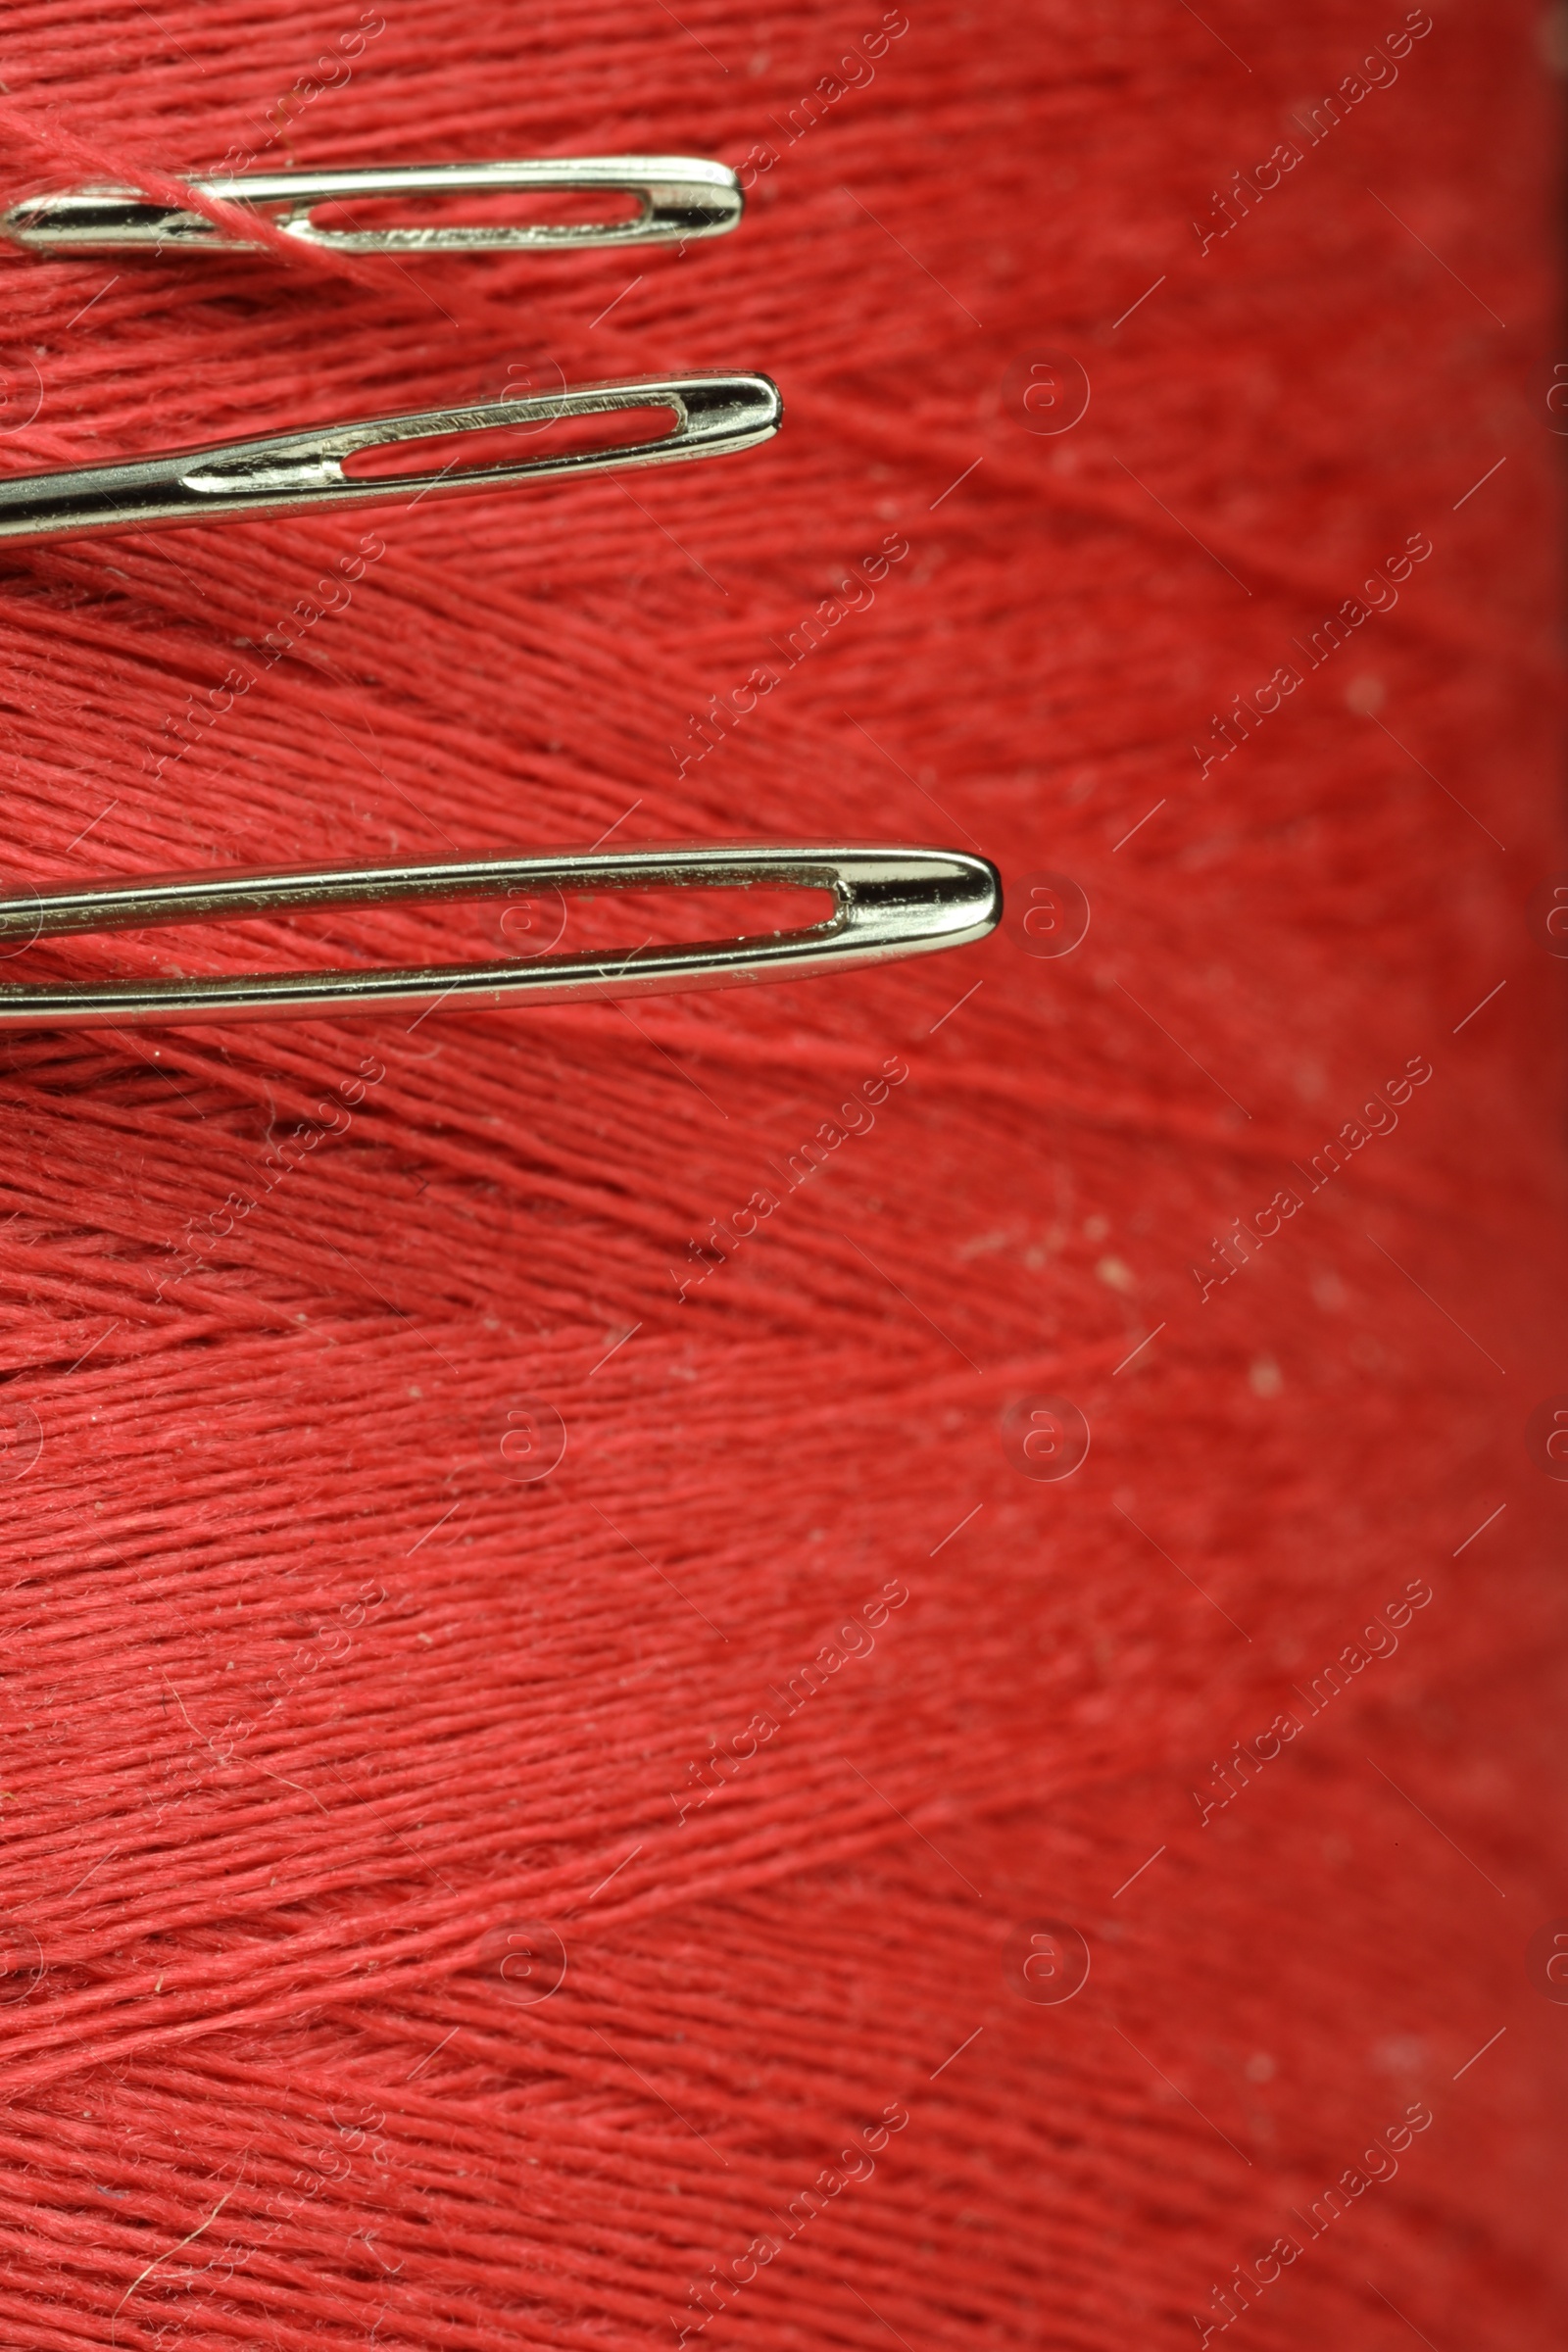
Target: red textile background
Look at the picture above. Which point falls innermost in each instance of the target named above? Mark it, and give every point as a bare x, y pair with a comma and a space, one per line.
313, 1696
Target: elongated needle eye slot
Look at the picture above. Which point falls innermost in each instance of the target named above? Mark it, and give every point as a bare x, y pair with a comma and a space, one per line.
879, 904
525, 924
504, 209
497, 446
617, 923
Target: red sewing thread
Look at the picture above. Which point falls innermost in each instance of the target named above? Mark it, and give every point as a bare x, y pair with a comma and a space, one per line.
858, 1665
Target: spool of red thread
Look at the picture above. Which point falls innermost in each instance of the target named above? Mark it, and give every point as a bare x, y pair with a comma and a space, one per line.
865, 1665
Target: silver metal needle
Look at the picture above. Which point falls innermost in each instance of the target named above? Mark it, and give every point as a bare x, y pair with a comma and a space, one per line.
679, 198
286, 474
888, 903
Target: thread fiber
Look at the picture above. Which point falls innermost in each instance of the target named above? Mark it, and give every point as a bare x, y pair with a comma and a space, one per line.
431, 1467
